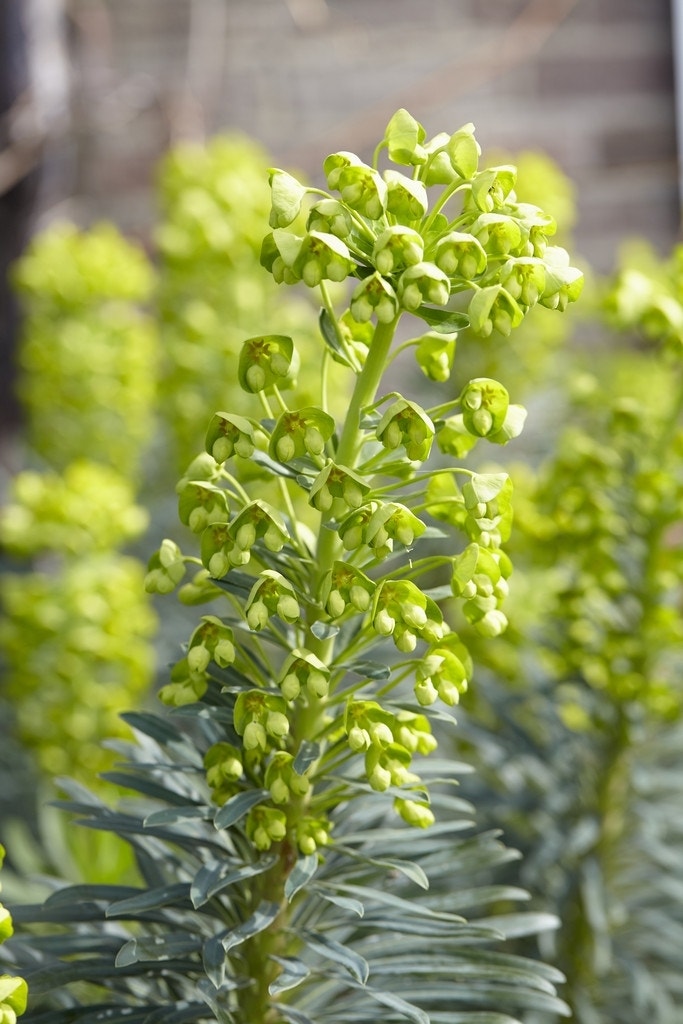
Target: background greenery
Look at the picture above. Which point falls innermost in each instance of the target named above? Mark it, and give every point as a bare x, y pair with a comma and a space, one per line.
572, 722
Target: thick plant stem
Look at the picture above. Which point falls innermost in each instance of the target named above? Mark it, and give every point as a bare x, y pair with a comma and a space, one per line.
256, 1000
351, 438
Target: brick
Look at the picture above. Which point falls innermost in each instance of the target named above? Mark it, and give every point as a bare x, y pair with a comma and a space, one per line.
650, 72
643, 144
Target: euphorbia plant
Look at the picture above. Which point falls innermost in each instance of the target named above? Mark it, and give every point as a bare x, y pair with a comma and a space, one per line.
310, 690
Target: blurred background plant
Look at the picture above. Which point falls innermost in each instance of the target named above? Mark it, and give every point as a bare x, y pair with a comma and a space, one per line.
574, 724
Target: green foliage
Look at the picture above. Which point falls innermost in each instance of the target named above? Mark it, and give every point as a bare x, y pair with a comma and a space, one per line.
300, 848
214, 202
75, 631
89, 351
589, 741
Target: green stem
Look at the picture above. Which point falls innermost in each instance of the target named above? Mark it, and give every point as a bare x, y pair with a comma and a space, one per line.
351, 438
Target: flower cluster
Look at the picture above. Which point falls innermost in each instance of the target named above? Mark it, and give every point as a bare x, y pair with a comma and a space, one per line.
408, 256
299, 673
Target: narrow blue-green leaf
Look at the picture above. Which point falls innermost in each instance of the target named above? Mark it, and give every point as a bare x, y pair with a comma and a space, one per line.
401, 1005
293, 973
214, 959
150, 899
301, 873
345, 902
171, 815
330, 337
371, 669
469, 1017
332, 950
408, 868
72, 894
263, 916
237, 806
292, 1015
236, 582
147, 786
151, 725
307, 753
190, 1013
389, 899
324, 630
512, 926
155, 948
214, 878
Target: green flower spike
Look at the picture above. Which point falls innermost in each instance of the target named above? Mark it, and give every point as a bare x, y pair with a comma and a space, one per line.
374, 296
230, 435
405, 423
267, 360
423, 282
301, 433
304, 670
272, 594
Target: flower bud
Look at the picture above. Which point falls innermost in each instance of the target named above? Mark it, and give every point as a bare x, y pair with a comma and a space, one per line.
460, 254
254, 737
414, 812
423, 282
396, 248
374, 296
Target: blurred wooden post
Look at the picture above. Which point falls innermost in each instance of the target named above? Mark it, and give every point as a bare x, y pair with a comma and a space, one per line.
19, 159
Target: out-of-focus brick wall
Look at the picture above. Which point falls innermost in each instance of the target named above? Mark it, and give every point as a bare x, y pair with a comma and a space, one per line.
588, 81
